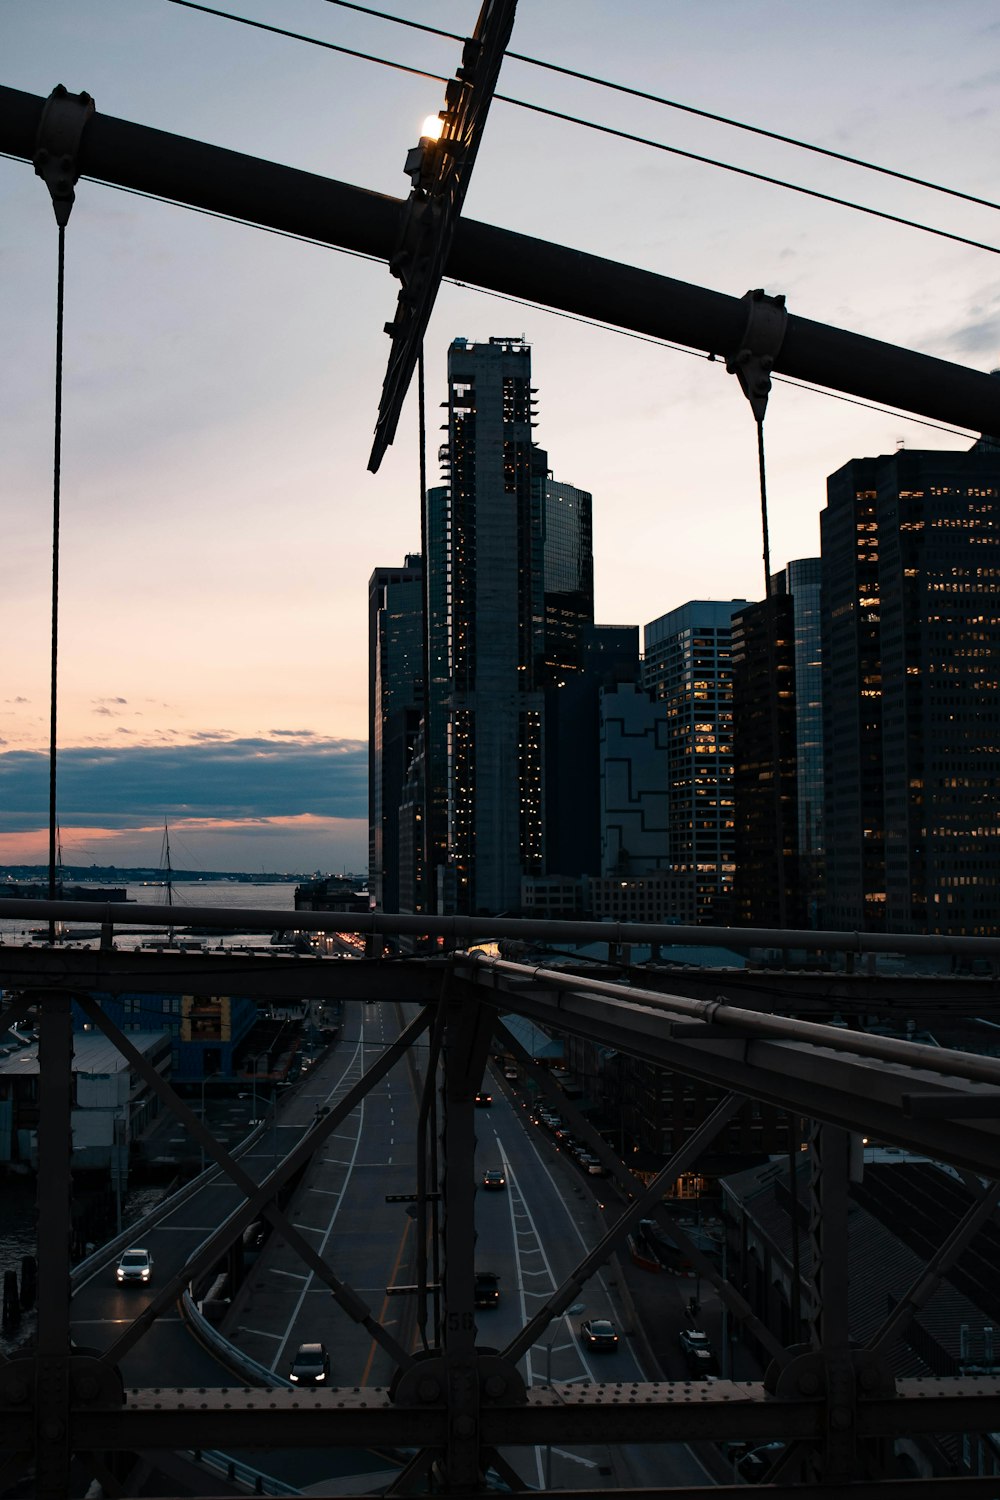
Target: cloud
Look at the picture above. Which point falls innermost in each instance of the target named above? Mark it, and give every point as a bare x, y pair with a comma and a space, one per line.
978, 336
128, 786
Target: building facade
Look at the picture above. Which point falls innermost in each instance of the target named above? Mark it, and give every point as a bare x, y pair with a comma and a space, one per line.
510, 590
688, 667
911, 566
395, 702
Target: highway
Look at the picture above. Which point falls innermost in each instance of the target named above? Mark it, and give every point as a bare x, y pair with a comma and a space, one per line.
531, 1233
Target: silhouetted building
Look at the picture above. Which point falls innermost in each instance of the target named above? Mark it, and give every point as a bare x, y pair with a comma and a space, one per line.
395, 704
688, 666
802, 581
510, 589
573, 755
766, 890
911, 561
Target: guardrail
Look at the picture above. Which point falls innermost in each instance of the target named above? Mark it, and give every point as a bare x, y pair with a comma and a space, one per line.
241, 1473
161, 1210
235, 1359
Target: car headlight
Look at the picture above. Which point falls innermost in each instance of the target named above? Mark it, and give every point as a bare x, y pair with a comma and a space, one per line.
293, 1376
145, 1275
321, 1375
121, 1274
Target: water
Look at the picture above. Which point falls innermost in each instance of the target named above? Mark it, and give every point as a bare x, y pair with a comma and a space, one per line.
270, 896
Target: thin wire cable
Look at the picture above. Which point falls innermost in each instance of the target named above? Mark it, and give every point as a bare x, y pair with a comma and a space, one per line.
712, 161
313, 41
56, 501
553, 312
623, 135
690, 109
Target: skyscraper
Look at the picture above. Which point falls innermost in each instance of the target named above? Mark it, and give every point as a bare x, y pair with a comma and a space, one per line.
510, 587
852, 700
395, 704
688, 665
778, 696
766, 885
911, 565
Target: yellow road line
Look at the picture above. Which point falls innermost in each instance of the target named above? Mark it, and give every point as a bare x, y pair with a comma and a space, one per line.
385, 1302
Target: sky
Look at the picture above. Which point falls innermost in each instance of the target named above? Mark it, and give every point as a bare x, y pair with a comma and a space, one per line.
219, 524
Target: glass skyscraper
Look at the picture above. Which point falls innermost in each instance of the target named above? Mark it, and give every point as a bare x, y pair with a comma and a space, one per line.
911, 568
510, 584
688, 665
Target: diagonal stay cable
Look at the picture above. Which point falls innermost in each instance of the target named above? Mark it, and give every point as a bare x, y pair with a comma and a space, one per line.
688, 109
624, 135
258, 1196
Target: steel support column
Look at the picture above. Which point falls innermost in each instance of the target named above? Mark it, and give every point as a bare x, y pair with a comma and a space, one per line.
55, 1187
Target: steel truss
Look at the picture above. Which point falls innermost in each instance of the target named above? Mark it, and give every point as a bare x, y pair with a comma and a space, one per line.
456, 1404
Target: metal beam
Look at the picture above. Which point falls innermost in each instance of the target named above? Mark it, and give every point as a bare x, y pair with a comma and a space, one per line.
625, 1412
335, 213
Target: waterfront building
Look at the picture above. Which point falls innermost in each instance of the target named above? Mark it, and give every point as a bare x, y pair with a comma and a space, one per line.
911, 564
509, 591
687, 665
111, 1106
395, 703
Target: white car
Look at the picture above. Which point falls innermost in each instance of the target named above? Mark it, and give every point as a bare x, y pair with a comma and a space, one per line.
135, 1265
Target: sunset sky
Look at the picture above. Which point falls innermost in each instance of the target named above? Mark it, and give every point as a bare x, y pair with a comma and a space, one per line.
221, 383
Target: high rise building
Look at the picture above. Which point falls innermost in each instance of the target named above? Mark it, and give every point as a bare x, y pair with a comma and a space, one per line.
852, 700
803, 584
766, 886
395, 705
778, 707
688, 666
510, 589
911, 564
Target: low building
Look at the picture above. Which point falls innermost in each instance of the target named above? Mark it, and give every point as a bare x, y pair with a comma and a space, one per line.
111, 1103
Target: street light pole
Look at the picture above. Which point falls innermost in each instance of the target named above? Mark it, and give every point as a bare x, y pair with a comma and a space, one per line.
203, 1081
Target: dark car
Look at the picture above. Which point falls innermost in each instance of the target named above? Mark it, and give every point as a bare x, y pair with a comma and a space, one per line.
599, 1334
484, 1100
487, 1292
756, 1465
311, 1365
494, 1178
698, 1352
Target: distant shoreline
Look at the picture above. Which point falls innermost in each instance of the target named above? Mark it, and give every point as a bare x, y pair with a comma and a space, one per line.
145, 875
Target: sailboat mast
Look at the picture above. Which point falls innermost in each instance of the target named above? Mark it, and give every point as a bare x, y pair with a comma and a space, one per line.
165, 866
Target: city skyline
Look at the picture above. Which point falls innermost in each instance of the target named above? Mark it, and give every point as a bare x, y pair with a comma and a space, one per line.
219, 525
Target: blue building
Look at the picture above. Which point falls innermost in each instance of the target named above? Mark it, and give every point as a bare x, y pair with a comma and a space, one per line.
207, 1031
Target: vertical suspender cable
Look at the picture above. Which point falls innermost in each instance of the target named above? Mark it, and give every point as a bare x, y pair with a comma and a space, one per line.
56, 160
771, 626
423, 889
56, 467
752, 364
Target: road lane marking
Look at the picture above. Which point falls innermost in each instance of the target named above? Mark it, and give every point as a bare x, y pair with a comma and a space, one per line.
277, 1271
577, 1458
245, 1328
385, 1301
360, 1113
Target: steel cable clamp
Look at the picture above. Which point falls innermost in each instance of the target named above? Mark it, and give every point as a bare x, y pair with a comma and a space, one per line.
57, 146
767, 319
